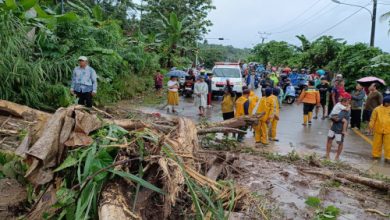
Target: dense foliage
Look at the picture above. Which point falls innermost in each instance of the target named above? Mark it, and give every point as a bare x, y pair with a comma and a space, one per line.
335, 55
211, 53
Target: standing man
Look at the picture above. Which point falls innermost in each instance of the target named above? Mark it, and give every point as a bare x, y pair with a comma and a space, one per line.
242, 108
310, 98
323, 88
209, 82
356, 106
84, 82
374, 99
380, 124
158, 82
265, 109
275, 113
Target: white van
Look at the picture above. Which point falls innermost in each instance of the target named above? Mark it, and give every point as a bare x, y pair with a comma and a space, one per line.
223, 71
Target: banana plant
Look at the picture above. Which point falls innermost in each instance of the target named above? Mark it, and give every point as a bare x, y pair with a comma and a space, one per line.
174, 35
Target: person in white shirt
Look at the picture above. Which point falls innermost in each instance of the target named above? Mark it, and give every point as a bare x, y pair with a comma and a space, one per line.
201, 90
173, 93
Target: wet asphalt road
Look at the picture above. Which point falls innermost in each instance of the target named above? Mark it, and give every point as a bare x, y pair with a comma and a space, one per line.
293, 136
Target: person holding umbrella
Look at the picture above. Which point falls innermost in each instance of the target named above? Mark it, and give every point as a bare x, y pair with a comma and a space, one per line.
374, 99
173, 93
356, 106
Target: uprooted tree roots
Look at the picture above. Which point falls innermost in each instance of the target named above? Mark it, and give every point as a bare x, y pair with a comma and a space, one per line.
81, 166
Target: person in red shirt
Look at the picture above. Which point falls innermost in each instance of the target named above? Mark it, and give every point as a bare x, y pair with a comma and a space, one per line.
158, 82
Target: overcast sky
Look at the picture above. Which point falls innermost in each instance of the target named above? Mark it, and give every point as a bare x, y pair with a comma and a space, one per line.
239, 21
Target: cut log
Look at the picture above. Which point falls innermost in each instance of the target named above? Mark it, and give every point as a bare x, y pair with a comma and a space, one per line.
22, 111
114, 204
127, 124
238, 122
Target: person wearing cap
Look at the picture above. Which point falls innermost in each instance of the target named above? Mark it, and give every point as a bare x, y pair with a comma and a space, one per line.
340, 117
310, 97
265, 109
242, 108
84, 82
173, 93
323, 89
380, 125
275, 113
201, 90
227, 104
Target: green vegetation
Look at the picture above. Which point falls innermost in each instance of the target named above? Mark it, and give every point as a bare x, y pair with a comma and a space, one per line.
40, 45
211, 53
328, 213
335, 55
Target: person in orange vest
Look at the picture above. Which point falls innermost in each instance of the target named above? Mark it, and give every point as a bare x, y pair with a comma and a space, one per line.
265, 108
380, 125
275, 113
242, 108
310, 97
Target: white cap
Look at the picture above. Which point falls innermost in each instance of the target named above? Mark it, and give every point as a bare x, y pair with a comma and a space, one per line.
339, 75
83, 58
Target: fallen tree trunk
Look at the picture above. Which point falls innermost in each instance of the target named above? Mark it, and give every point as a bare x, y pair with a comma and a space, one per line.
342, 177
247, 120
220, 130
22, 111
113, 203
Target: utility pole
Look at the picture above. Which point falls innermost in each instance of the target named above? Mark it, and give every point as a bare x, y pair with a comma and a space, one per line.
373, 22
263, 36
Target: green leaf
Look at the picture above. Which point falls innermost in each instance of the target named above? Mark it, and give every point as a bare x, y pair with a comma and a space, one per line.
68, 17
313, 202
27, 4
97, 12
11, 4
40, 12
136, 179
68, 162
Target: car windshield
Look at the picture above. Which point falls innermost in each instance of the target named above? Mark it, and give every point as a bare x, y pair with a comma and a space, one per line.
227, 72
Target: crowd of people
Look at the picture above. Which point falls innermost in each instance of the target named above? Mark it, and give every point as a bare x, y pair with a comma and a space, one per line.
315, 90
321, 95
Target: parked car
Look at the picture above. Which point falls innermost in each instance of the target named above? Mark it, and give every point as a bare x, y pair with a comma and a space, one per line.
223, 71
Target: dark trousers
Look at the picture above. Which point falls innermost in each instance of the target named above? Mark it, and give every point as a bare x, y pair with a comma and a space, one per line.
85, 98
356, 118
209, 96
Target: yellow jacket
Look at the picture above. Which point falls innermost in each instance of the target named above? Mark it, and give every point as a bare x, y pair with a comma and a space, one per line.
227, 104
380, 120
253, 99
310, 96
265, 107
276, 107
240, 110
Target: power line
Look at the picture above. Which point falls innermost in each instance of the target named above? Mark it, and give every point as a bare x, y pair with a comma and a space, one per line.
338, 23
308, 20
299, 15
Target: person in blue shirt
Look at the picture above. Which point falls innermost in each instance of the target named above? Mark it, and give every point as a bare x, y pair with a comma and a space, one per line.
293, 76
84, 82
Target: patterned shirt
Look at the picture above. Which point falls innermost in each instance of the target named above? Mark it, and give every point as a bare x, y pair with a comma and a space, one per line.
84, 79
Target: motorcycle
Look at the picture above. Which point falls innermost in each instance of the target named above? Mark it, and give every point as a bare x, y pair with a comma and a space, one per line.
188, 88
290, 95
